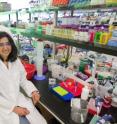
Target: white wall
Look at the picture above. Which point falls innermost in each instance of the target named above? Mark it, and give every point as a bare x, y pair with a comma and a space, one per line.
17, 4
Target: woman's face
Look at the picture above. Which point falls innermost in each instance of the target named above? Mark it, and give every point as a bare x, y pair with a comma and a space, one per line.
5, 48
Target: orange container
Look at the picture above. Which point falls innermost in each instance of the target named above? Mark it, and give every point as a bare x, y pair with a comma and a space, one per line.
59, 2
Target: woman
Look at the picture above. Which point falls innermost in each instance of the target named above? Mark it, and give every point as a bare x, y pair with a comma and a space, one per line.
15, 108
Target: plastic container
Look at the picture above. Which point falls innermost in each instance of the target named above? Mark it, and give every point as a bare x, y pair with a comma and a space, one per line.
52, 82
97, 37
50, 63
92, 35
30, 69
92, 108
73, 87
111, 2
104, 38
82, 76
85, 93
61, 93
39, 30
94, 119
78, 110
78, 116
83, 64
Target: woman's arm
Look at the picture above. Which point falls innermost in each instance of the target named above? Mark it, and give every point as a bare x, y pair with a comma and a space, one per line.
28, 86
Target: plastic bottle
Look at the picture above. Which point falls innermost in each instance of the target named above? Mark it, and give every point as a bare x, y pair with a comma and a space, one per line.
85, 93
104, 38
110, 2
98, 103
39, 30
97, 37
83, 64
104, 119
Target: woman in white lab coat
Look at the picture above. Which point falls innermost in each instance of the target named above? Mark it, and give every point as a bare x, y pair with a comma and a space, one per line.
13, 104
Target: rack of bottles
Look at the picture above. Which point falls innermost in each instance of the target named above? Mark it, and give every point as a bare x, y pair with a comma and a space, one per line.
98, 48
90, 32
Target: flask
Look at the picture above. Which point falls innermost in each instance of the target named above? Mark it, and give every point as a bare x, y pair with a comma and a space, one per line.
85, 93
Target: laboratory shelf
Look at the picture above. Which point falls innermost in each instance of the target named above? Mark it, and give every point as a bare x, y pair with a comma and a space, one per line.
80, 44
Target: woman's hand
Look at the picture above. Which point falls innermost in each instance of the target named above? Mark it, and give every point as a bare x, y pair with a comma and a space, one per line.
35, 97
21, 111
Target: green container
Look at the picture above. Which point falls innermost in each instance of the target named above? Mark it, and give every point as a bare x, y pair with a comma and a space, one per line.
30, 31
39, 30
94, 119
83, 63
34, 43
97, 37
100, 77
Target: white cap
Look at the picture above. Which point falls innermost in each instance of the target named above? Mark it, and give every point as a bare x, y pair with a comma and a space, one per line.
5, 29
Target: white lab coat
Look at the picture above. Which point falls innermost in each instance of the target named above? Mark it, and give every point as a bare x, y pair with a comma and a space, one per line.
10, 96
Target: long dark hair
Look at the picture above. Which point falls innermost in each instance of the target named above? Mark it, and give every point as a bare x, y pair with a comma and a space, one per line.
13, 55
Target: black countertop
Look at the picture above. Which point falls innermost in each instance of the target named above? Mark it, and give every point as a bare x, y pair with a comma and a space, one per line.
59, 108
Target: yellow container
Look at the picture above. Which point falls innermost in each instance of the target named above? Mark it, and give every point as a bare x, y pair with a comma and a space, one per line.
111, 28
111, 1
104, 38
